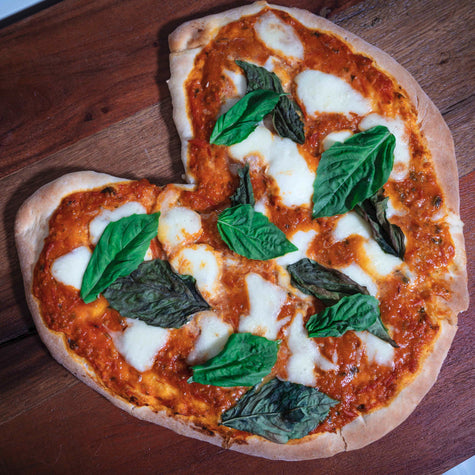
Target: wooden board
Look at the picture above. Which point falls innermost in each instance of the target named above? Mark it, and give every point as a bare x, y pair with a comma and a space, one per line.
90, 76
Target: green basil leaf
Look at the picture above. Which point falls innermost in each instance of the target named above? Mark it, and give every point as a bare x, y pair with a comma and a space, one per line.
352, 171
328, 285
243, 117
250, 234
355, 312
244, 361
120, 250
287, 116
244, 194
157, 295
389, 236
279, 411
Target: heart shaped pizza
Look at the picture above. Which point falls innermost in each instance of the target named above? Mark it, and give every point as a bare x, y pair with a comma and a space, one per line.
298, 295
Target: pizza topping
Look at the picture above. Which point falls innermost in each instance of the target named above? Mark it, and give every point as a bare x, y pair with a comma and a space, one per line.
265, 303
243, 117
328, 285
352, 171
356, 273
304, 355
301, 239
139, 343
250, 234
157, 295
100, 222
177, 226
336, 137
402, 155
244, 361
377, 350
121, 248
282, 161
390, 237
69, 268
320, 92
287, 116
214, 334
244, 194
279, 36
279, 411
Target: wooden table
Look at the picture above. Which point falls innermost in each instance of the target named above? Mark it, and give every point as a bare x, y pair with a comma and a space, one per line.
82, 86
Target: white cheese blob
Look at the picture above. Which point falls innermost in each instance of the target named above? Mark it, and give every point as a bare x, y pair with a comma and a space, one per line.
285, 165
278, 36
265, 303
305, 354
100, 222
214, 334
69, 268
377, 350
139, 343
301, 239
203, 263
351, 223
379, 261
402, 155
238, 80
321, 92
177, 226
356, 273
336, 137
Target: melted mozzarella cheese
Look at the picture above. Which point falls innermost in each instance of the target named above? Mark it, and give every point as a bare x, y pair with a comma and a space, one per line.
201, 262
265, 303
351, 223
177, 226
301, 239
402, 155
336, 137
285, 165
379, 261
69, 268
377, 350
305, 354
320, 92
214, 334
139, 343
278, 36
100, 222
356, 273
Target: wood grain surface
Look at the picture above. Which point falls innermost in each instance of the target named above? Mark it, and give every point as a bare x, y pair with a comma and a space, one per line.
82, 86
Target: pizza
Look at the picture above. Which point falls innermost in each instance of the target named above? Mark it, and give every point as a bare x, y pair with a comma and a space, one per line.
298, 295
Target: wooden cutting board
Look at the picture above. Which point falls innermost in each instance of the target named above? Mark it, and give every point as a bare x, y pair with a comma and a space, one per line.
82, 86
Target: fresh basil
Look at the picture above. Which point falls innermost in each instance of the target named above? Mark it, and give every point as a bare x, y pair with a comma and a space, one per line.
120, 250
389, 236
250, 234
287, 116
356, 312
352, 171
279, 411
328, 285
243, 117
157, 295
244, 361
244, 195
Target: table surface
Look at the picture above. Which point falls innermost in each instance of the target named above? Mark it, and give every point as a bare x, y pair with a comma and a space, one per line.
83, 86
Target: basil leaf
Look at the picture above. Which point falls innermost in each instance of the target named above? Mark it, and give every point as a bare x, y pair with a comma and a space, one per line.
250, 234
120, 250
355, 312
279, 411
287, 116
243, 117
244, 361
352, 171
389, 236
157, 295
328, 285
244, 194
